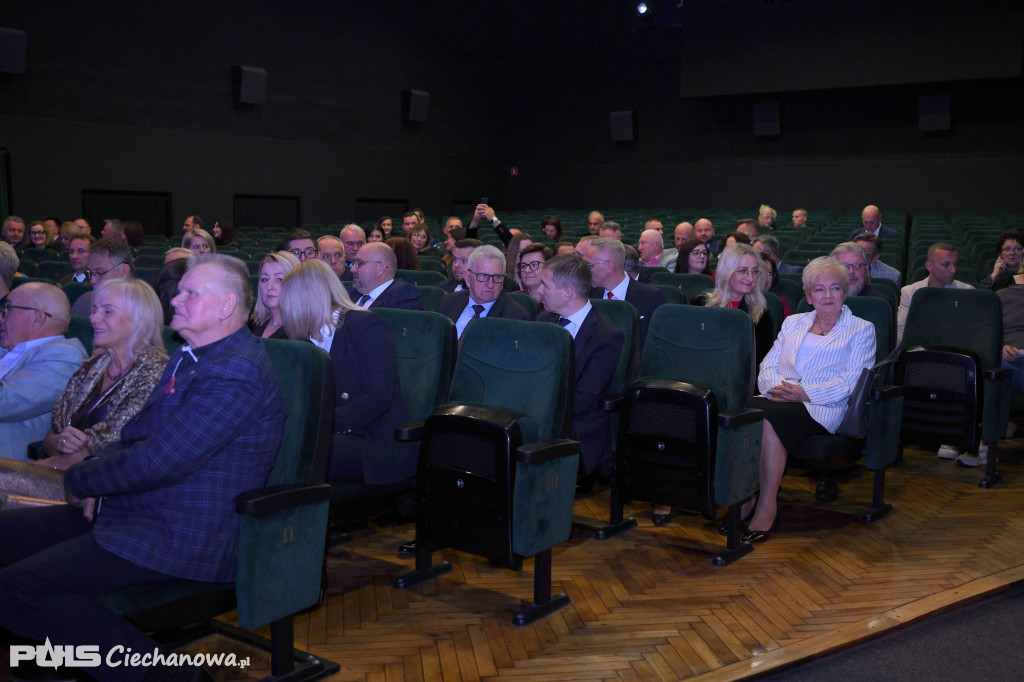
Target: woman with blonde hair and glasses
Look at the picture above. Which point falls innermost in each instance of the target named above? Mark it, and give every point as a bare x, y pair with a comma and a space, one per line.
368, 402
104, 393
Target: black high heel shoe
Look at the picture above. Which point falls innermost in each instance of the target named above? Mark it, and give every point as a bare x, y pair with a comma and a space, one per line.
724, 528
753, 536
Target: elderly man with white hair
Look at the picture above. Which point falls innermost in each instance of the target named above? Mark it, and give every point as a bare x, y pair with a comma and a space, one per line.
484, 295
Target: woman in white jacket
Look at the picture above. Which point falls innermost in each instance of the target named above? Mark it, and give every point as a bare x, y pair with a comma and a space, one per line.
806, 379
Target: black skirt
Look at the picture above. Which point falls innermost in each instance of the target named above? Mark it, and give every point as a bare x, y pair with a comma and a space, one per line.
792, 422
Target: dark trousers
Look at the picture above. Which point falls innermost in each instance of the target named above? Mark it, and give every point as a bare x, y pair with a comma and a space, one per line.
52, 570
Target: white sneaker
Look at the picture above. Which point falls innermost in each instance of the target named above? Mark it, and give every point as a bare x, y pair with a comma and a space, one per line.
948, 452
966, 460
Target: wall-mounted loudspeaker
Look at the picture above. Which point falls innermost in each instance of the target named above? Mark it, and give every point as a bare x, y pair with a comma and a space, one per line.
623, 126
415, 104
766, 119
12, 51
933, 113
249, 84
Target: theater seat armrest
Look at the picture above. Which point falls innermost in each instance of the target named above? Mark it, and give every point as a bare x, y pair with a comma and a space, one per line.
612, 403
35, 450
266, 501
997, 374
545, 451
885, 393
409, 432
740, 417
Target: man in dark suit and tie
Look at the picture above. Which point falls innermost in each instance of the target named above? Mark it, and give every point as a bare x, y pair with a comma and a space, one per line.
373, 280
565, 290
606, 258
460, 257
484, 297
209, 431
871, 219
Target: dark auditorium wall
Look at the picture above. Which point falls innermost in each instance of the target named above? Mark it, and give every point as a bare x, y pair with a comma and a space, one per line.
136, 96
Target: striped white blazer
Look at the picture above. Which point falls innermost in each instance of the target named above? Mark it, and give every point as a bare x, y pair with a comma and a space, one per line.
832, 370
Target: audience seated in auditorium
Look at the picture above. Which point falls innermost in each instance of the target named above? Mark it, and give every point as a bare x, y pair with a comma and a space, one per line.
199, 241
78, 256
650, 247
806, 380
771, 275
693, 258
301, 243
800, 217
766, 216
485, 212
405, 254
565, 290
607, 261
654, 224
740, 283
9, 262
451, 223
224, 233
84, 224
386, 224
178, 253
484, 295
374, 234
421, 241
705, 231
103, 394
410, 219
552, 228
460, 257
943, 260
518, 242
114, 229
610, 230
211, 432
856, 259
353, 238
871, 219
191, 222
733, 238
368, 402
373, 277
134, 234
873, 245
566, 246
531, 260
769, 246
37, 236
594, 222
683, 232
1008, 261
266, 320
332, 252
36, 365
749, 227
52, 225
165, 283
13, 231
108, 259
69, 231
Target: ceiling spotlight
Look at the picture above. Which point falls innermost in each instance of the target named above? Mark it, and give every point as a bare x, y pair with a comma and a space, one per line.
641, 8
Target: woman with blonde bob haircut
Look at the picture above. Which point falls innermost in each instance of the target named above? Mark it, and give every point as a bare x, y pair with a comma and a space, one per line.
266, 320
368, 401
199, 240
104, 393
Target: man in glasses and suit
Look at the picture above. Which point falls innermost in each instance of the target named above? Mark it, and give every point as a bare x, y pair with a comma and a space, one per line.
485, 295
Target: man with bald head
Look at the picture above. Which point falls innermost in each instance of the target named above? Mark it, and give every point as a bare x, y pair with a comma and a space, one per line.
373, 278
594, 222
683, 232
871, 219
705, 231
37, 363
209, 432
650, 247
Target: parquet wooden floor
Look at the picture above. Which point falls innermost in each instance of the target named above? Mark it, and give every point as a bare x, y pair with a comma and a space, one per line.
648, 605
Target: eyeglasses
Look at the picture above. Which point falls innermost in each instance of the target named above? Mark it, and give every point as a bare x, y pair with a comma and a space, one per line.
99, 274
5, 307
597, 262
1013, 249
356, 264
308, 252
700, 253
333, 257
748, 272
855, 266
534, 265
483, 277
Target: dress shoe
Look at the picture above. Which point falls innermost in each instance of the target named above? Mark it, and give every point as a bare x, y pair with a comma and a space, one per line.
826, 490
408, 548
660, 518
585, 485
762, 535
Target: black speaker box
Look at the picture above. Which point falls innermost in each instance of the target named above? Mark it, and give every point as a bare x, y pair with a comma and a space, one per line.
766, 119
249, 84
623, 126
12, 51
415, 104
933, 113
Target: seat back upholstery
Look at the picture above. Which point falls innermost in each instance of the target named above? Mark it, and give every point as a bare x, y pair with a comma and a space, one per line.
425, 355
691, 284
529, 303
627, 319
420, 277
431, 295
712, 347
508, 363
971, 319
